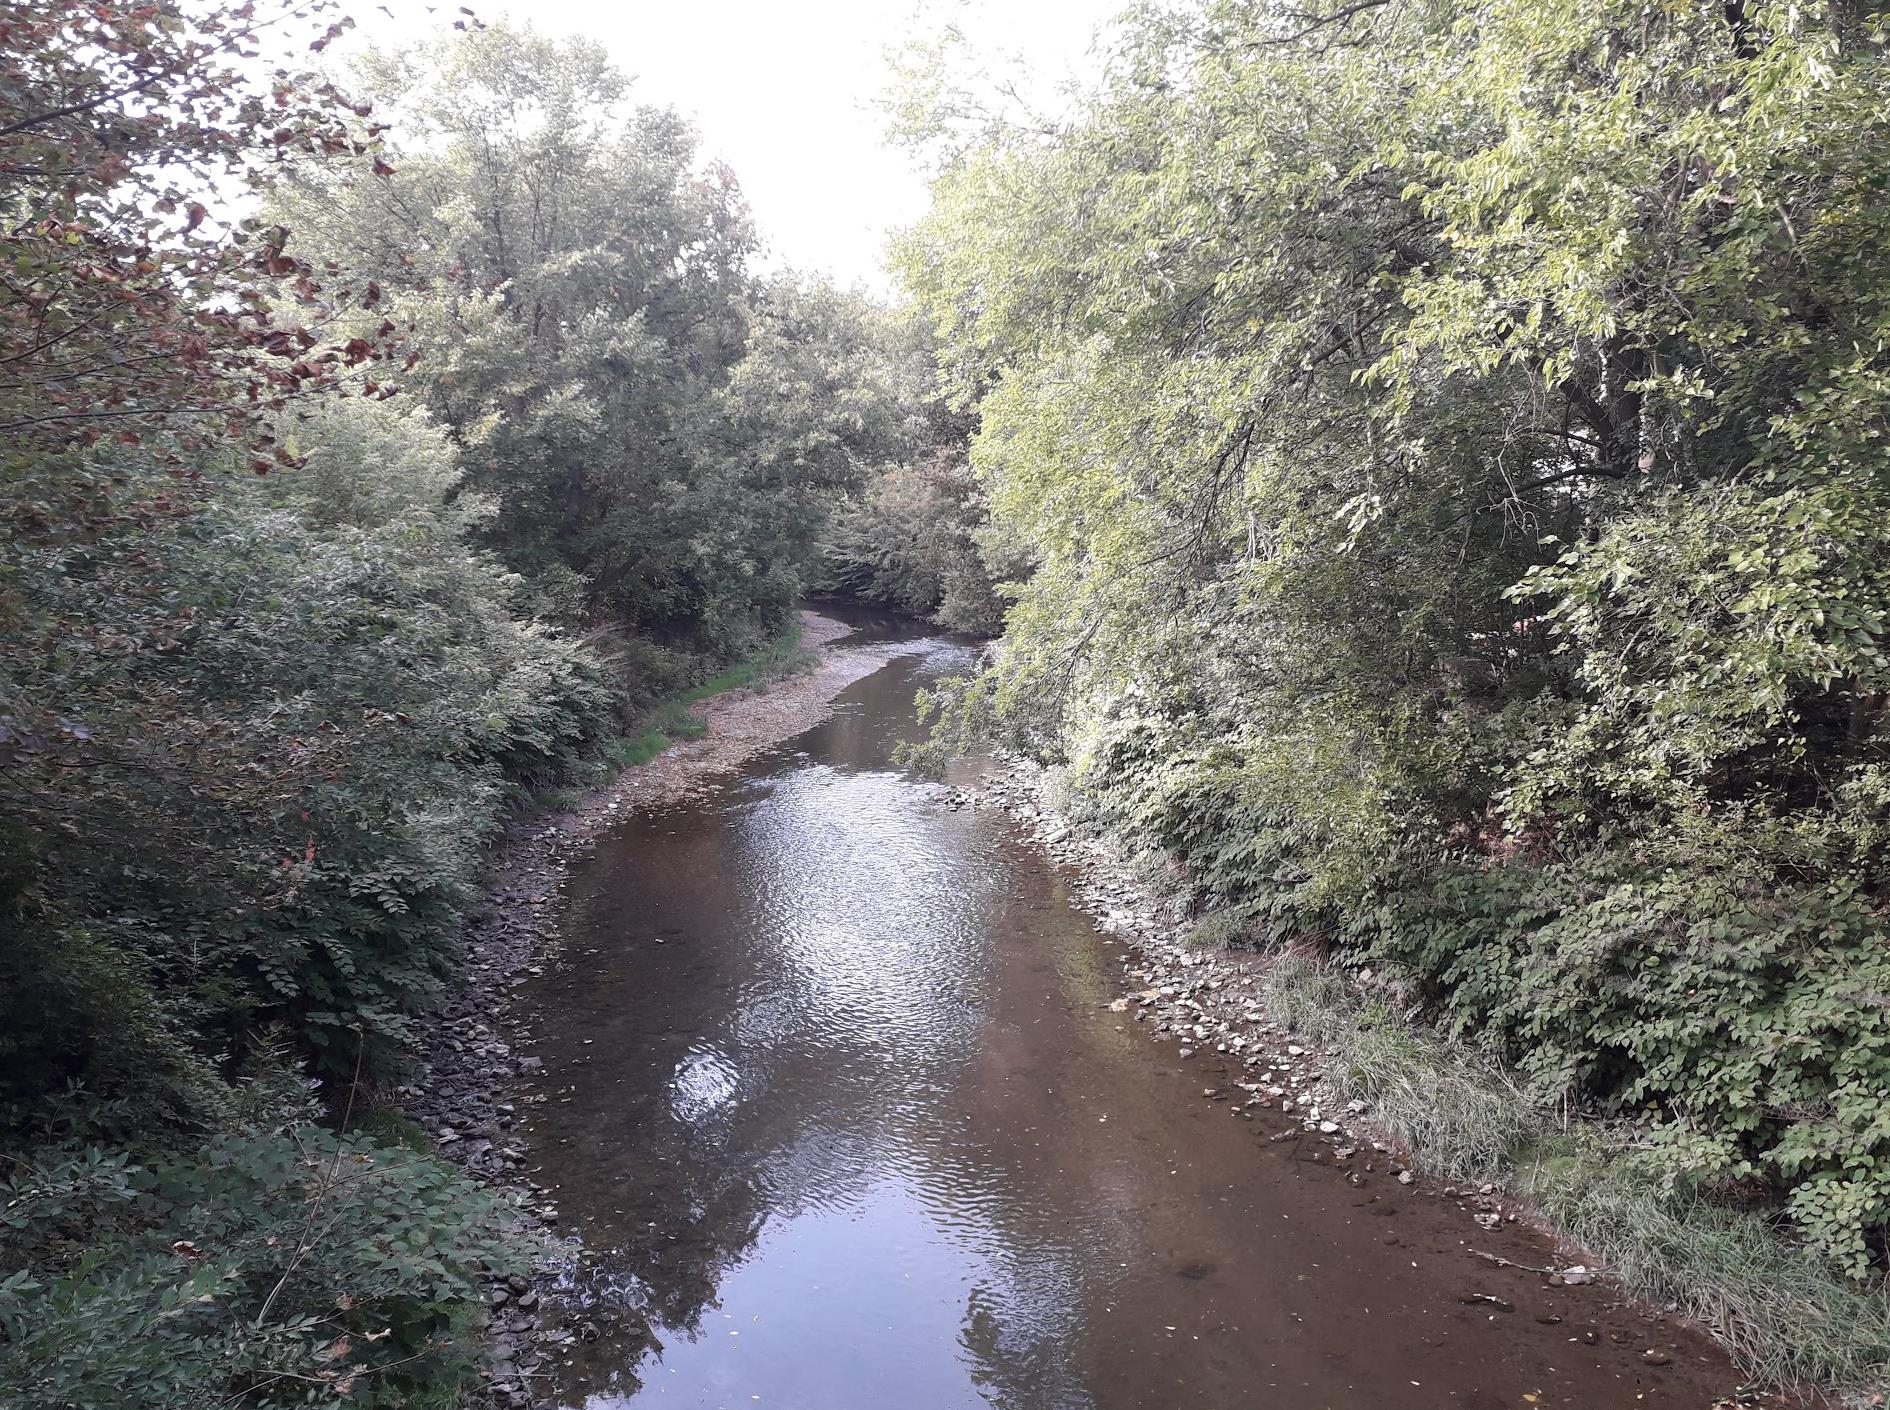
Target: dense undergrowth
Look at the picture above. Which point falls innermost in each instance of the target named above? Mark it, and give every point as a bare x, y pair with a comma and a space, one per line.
1449, 445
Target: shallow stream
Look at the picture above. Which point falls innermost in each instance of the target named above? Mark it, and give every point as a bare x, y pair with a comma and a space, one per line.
835, 1099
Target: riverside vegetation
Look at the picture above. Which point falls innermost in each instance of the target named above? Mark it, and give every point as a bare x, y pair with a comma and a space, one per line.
1427, 464
382, 449
1450, 444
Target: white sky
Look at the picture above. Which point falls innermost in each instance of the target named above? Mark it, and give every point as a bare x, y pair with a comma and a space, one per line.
785, 94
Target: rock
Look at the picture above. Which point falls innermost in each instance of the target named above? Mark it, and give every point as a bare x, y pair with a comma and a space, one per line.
1577, 1275
1488, 1300
1405, 1177
1654, 1356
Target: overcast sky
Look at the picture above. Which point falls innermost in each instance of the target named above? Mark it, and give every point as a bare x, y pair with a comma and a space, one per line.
785, 94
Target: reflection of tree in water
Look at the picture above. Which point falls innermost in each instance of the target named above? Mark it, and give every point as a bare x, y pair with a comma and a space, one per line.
685, 1190
1015, 1363
686, 1218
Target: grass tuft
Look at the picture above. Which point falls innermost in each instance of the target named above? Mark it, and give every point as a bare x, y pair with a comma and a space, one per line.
1781, 1312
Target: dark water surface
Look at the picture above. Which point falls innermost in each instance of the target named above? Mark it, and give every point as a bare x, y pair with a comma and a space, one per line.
837, 1104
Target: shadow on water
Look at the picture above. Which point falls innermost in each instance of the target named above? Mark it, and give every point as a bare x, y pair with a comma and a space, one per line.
838, 1107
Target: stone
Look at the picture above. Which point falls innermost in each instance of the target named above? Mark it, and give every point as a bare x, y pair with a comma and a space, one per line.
1501, 1304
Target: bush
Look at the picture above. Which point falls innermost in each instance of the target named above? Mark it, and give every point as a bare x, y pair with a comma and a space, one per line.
275, 1267
1739, 1013
322, 719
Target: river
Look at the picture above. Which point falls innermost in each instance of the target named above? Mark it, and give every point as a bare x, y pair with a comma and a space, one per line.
834, 1097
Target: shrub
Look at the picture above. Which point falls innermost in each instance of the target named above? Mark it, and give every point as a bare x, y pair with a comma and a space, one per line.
1742, 1014
272, 1268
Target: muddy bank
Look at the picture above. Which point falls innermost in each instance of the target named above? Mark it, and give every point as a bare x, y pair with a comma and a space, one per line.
459, 1093
850, 1109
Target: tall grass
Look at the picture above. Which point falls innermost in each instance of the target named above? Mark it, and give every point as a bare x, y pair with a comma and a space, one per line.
1784, 1315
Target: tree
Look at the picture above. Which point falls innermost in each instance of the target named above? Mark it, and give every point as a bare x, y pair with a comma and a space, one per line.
581, 283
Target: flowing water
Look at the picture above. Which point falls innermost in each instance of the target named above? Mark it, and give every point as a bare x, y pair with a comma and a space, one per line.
834, 1097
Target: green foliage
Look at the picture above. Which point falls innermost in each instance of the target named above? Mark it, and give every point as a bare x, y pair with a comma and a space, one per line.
1731, 1006
918, 535
256, 731
325, 722
917, 540
657, 431
508, 377
1447, 442
270, 1268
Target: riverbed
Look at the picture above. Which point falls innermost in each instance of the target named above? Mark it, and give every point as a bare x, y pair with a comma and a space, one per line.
834, 1095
